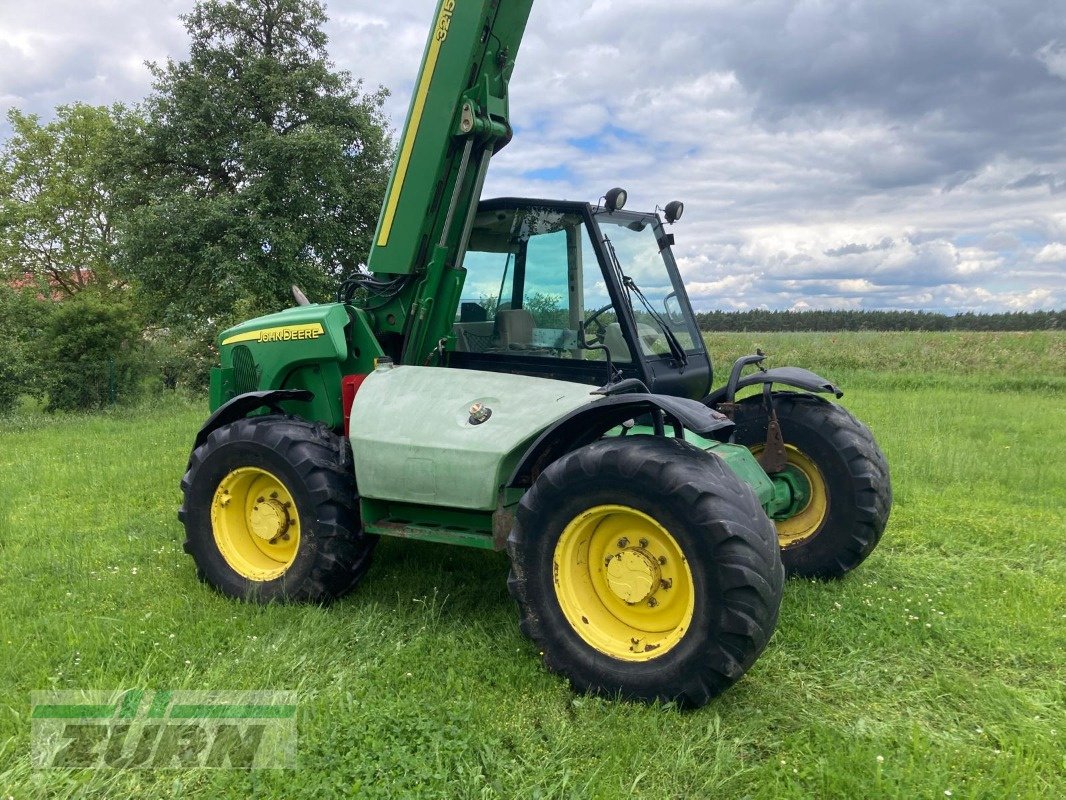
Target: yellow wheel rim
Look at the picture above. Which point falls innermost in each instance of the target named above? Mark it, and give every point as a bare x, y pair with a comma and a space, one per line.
255, 523
623, 583
805, 523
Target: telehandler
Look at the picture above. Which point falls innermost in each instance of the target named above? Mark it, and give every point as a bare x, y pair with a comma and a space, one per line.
527, 375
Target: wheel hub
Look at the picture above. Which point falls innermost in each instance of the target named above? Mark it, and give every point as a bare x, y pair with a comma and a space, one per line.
255, 524
633, 575
623, 583
802, 496
269, 519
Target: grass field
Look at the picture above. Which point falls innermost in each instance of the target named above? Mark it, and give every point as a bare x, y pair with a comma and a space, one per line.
937, 669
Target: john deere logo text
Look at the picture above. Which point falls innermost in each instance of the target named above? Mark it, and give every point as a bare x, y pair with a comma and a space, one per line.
444, 24
163, 730
296, 333
287, 333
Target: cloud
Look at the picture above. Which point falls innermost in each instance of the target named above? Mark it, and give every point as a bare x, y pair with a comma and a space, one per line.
839, 153
856, 249
1053, 56
1054, 253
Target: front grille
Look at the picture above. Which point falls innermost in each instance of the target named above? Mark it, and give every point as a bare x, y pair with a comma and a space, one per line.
245, 375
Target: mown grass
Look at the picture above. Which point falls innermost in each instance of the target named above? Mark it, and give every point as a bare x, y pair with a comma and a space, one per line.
937, 667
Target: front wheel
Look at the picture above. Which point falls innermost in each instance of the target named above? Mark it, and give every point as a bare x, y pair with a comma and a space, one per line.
644, 567
846, 489
270, 512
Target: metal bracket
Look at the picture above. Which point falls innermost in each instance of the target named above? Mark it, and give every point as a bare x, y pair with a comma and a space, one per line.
773, 458
466, 119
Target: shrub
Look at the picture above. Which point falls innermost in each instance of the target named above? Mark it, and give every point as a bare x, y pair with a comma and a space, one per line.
21, 317
181, 361
92, 353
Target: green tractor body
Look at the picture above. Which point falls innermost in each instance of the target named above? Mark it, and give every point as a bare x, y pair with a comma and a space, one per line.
527, 375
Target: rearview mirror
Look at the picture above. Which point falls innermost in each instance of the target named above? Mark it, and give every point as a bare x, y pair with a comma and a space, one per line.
672, 307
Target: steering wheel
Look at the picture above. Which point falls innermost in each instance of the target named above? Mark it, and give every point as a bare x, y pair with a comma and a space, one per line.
596, 337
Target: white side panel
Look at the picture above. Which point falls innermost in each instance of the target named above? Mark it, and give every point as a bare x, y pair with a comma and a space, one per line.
412, 439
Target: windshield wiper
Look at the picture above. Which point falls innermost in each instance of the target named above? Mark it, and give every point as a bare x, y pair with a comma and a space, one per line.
676, 350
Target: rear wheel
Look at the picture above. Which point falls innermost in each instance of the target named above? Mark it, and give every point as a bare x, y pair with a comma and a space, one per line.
270, 512
845, 488
644, 567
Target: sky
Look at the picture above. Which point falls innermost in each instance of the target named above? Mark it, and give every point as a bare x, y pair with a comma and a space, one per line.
831, 153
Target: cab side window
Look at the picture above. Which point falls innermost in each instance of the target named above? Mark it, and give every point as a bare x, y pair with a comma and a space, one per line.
489, 277
532, 280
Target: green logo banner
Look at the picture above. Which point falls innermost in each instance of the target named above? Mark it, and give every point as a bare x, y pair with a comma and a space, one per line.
179, 729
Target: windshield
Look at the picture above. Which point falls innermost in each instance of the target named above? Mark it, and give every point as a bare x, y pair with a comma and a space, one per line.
643, 262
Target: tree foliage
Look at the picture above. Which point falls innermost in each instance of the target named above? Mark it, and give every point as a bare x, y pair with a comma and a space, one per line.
258, 166
91, 352
22, 317
56, 201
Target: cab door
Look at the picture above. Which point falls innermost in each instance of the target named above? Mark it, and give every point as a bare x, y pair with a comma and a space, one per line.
533, 278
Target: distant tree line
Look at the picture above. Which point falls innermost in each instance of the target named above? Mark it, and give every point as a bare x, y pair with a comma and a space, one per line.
830, 321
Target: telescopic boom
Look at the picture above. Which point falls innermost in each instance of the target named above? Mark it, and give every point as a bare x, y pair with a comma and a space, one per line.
457, 121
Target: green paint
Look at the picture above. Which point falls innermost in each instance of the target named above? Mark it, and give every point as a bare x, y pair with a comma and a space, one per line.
482, 541
792, 493
428, 523
737, 457
441, 165
222, 387
316, 363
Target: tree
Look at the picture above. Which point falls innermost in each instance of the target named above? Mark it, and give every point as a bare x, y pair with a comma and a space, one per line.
22, 318
56, 203
258, 165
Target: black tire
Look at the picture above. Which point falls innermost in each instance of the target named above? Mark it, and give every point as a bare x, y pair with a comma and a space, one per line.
728, 542
855, 474
314, 466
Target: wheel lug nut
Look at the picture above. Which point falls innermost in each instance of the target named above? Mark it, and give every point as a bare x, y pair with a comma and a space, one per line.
662, 560
623, 543
643, 542
260, 499
607, 561
666, 583
274, 495
652, 602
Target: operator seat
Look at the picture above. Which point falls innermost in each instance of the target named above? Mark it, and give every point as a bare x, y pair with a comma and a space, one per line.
515, 328
616, 343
